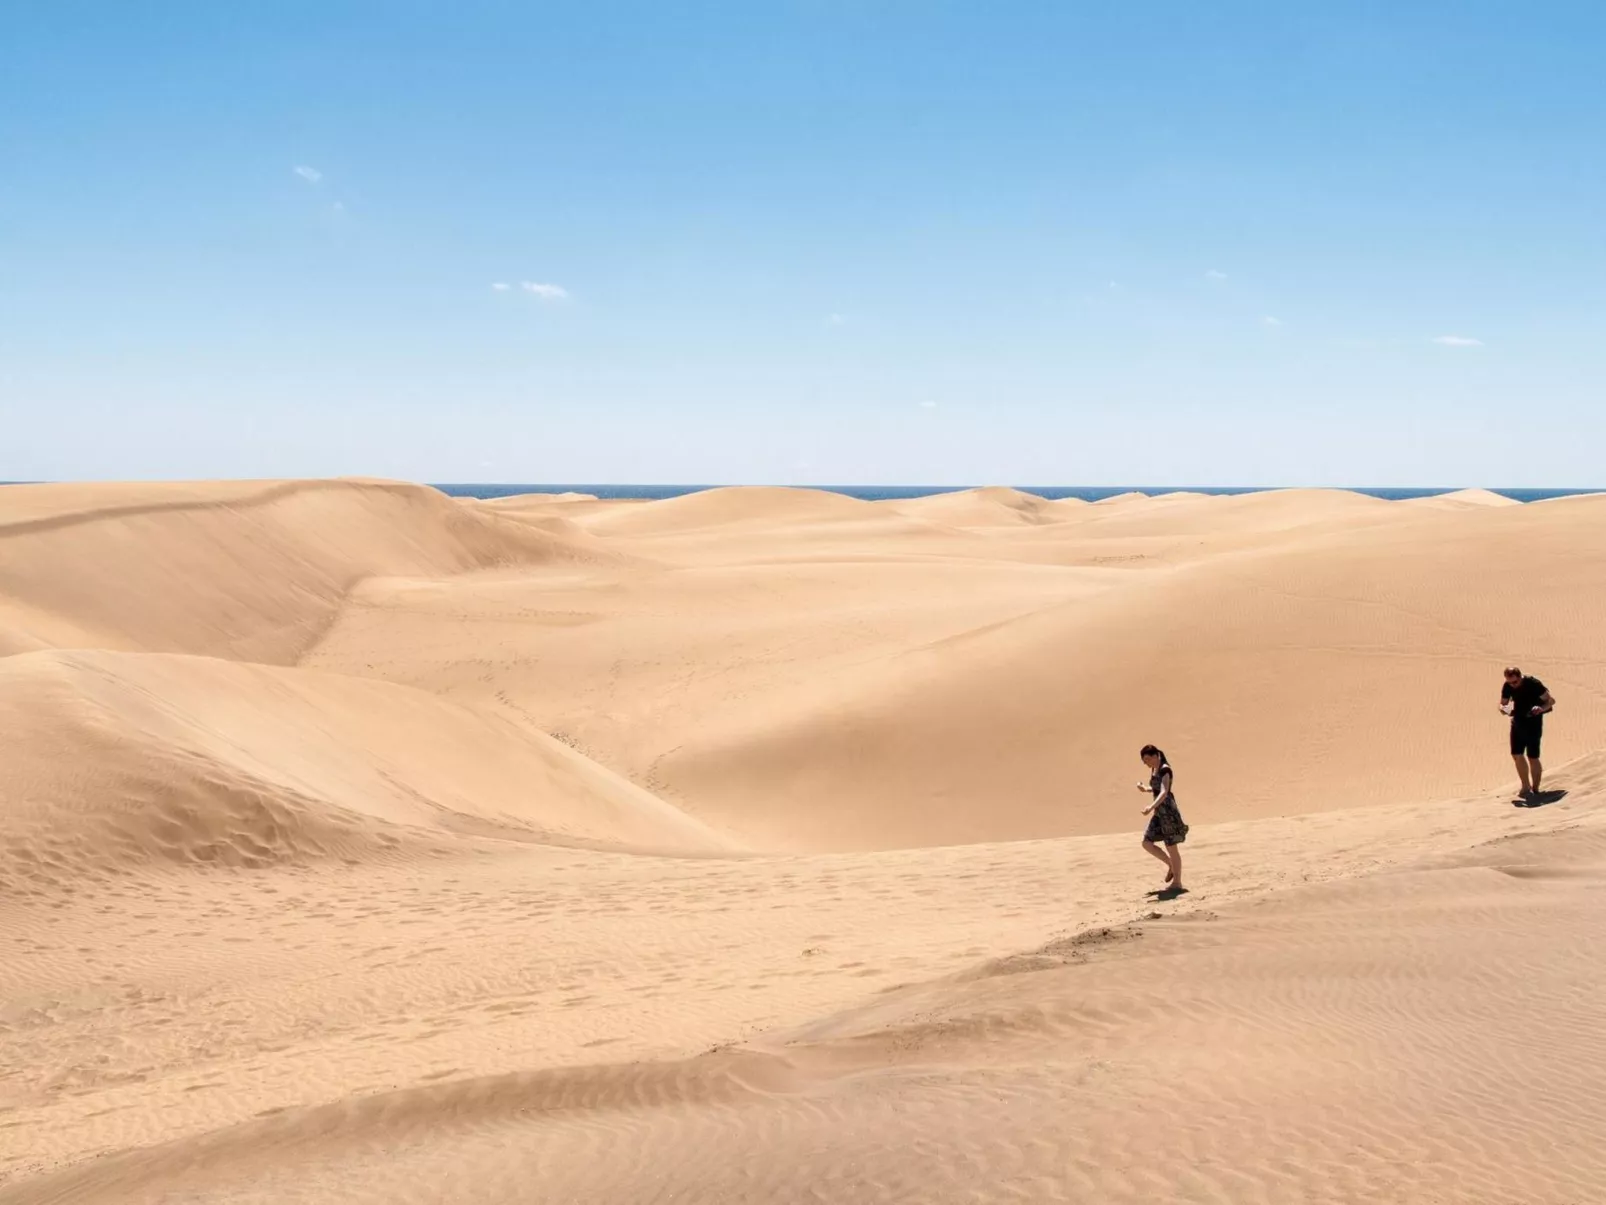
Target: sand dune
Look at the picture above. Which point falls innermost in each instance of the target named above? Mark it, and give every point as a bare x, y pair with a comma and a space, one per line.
745, 526
1220, 661
120, 758
252, 571
744, 506
359, 843
986, 507
1463, 498
517, 502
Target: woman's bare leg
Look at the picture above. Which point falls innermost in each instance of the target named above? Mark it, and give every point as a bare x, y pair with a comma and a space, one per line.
1154, 849
1173, 856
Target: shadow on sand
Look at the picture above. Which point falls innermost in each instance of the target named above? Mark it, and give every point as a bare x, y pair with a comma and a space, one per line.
1167, 893
1539, 799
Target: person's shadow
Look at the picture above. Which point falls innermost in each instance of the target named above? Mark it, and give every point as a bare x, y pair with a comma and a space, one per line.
1539, 799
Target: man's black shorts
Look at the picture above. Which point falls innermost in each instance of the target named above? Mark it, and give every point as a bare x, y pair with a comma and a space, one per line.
1525, 737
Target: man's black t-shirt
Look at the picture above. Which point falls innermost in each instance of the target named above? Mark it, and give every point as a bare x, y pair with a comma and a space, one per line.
1525, 696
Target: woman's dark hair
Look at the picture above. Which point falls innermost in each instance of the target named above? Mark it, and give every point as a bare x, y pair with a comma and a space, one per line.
1153, 751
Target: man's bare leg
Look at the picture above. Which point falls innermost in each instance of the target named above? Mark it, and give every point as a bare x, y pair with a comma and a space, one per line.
1537, 772
1154, 849
1522, 773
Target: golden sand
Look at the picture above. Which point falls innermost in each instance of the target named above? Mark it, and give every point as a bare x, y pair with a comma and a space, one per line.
361, 844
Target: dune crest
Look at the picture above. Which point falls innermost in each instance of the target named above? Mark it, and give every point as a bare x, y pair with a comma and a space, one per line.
1464, 498
746, 505
985, 507
252, 571
515, 502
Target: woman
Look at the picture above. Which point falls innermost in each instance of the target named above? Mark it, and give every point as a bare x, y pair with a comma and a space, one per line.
1165, 821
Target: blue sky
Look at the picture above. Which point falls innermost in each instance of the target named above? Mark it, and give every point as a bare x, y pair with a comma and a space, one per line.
844, 241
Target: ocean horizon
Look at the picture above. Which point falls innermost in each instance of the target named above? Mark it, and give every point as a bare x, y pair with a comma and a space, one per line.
881, 493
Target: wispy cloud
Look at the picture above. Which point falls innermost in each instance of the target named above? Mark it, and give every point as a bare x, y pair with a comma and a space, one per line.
834, 320
1457, 341
310, 174
501, 286
1214, 275
928, 405
1268, 320
545, 292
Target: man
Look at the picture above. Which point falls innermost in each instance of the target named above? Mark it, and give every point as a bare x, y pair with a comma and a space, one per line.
1526, 701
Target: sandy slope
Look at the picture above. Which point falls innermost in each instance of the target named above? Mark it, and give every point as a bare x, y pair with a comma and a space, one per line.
357, 843
1003, 1022
123, 758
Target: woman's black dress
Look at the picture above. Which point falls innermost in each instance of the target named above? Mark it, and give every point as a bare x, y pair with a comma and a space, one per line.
1165, 822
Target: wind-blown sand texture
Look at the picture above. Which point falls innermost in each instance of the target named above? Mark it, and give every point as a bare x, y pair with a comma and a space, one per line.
361, 844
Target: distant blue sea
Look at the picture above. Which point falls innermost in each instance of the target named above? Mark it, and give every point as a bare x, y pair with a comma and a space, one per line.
878, 493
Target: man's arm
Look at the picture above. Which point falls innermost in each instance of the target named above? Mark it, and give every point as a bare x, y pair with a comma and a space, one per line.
1545, 704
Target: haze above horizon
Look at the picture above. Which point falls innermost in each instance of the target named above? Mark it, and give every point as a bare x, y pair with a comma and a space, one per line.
818, 243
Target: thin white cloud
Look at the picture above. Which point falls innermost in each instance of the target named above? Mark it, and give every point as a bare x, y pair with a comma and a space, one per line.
835, 320
310, 174
1268, 320
501, 286
1214, 275
928, 405
1457, 341
545, 292
339, 207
